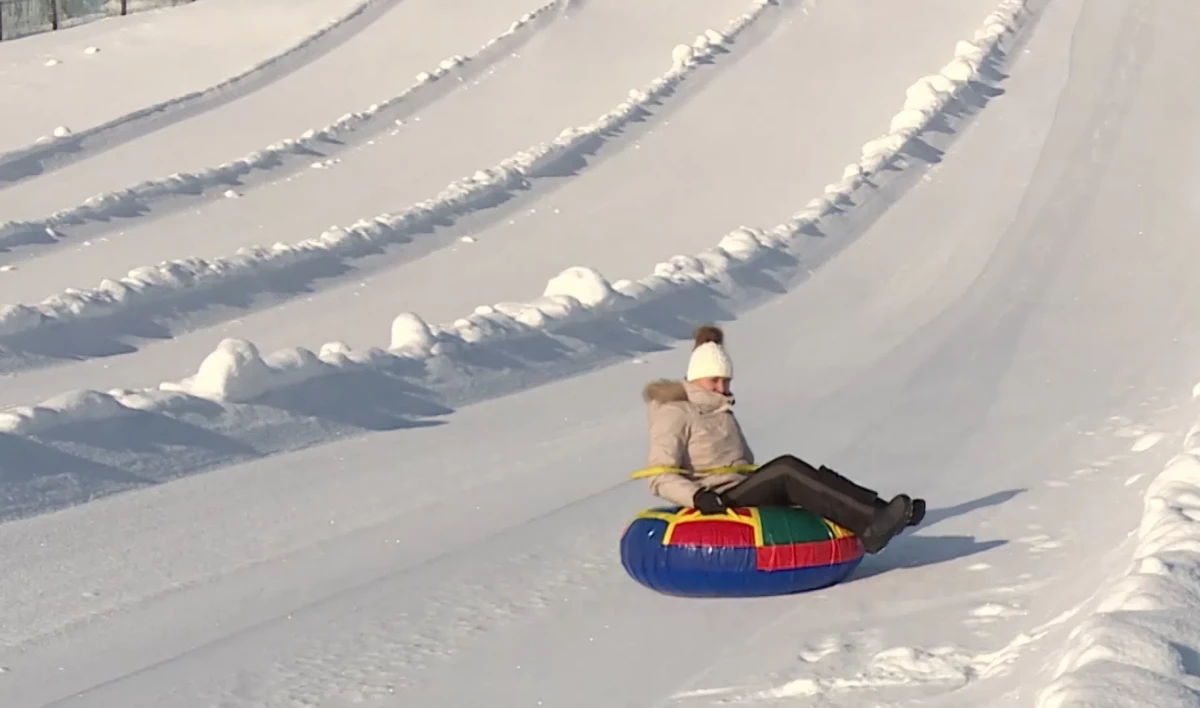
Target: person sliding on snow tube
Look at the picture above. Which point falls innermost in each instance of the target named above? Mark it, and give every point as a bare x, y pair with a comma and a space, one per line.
700, 458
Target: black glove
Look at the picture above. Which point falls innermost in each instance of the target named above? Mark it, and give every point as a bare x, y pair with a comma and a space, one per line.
709, 502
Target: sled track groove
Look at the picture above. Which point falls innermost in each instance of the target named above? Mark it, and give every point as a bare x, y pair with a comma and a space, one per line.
155, 198
35, 160
186, 286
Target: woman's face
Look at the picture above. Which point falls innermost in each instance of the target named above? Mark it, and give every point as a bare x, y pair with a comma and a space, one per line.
716, 384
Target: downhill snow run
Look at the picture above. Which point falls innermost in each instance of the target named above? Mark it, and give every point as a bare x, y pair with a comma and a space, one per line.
324, 325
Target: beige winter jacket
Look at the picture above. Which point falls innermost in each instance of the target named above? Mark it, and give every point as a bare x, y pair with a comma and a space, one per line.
692, 430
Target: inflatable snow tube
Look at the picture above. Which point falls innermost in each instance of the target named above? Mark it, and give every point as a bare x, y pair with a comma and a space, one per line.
744, 552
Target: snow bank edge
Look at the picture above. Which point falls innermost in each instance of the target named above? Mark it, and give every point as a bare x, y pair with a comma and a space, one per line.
1140, 644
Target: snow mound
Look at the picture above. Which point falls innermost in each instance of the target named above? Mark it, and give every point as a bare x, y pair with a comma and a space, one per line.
64, 409
584, 285
1141, 645
237, 372
362, 238
105, 205
411, 334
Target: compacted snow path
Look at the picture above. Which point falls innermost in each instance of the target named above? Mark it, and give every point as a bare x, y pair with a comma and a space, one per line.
993, 310
379, 60
98, 78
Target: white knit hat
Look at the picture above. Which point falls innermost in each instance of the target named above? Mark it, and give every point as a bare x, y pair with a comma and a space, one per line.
709, 357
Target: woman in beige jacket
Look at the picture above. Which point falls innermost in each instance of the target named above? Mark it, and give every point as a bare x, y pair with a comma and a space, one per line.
700, 458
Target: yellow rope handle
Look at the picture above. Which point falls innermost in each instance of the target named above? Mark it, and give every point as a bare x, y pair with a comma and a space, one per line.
652, 471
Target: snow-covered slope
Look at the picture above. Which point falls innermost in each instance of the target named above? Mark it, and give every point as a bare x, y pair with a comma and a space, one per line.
951, 253
390, 42
178, 296
76, 90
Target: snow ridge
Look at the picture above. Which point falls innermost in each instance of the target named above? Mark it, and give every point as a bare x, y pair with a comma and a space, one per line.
237, 372
13, 164
1141, 644
105, 205
365, 236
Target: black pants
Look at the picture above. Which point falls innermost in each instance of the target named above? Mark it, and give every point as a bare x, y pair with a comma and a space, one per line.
789, 481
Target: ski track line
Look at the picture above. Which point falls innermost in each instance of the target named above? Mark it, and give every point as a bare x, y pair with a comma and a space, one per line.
291, 399
41, 158
150, 284
330, 139
355, 662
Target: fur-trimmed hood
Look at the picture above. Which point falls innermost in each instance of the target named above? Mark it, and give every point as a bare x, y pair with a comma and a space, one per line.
666, 391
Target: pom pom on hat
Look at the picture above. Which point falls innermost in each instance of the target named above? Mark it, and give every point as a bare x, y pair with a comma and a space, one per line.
709, 358
708, 333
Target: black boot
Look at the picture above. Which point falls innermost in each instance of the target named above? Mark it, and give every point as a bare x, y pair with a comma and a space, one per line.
886, 523
790, 481
882, 525
918, 512
851, 489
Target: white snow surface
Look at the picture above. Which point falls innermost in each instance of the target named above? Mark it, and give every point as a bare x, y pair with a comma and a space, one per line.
465, 195
107, 205
102, 73
949, 241
1139, 644
411, 272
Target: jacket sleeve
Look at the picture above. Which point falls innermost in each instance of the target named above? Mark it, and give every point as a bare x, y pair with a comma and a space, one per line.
668, 436
674, 488
749, 453
668, 448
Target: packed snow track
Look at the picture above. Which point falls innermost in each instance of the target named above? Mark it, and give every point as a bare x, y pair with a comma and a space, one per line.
949, 241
